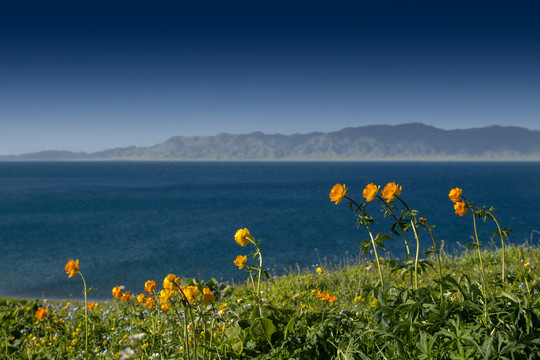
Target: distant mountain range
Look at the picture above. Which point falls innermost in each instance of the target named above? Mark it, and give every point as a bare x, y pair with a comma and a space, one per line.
414, 142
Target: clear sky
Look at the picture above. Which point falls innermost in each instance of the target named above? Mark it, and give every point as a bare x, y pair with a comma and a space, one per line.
87, 76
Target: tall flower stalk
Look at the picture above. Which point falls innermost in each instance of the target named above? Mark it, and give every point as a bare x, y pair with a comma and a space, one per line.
461, 206
242, 238
424, 222
72, 269
337, 194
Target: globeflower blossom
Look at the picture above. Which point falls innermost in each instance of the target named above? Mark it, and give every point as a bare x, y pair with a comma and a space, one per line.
191, 293
126, 296
171, 282
165, 295
242, 237
320, 271
150, 302
41, 313
117, 292
390, 191
455, 195
150, 286
337, 193
72, 268
141, 298
240, 261
460, 208
91, 305
208, 296
370, 191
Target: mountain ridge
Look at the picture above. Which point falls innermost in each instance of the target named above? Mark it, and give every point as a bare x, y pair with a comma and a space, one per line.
404, 142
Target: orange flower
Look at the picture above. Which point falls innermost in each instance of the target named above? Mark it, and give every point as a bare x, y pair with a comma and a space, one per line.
150, 286
91, 305
208, 296
243, 237
126, 296
455, 195
165, 307
370, 191
150, 302
461, 208
171, 282
41, 313
72, 268
390, 191
240, 261
165, 295
141, 298
337, 193
191, 293
117, 292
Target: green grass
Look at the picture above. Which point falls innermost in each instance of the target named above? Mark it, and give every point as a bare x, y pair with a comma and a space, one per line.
295, 321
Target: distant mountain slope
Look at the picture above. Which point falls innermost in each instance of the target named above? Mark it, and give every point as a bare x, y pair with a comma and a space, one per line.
412, 141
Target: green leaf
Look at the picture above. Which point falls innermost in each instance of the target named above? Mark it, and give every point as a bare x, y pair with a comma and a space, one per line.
262, 329
238, 348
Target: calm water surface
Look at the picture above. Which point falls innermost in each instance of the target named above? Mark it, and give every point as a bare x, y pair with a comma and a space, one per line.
131, 222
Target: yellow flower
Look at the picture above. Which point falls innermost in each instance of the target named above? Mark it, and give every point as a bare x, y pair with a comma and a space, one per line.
370, 191
337, 193
72, 268
191, 293
320, 271
460, 208
73, 342
41, 313
208, 296
390, 191
374, 303
455, 195
165, 295
171, 282
240, 261
126, 296
117, 292
91, 305
150, 286
526, 264
150, 302
243, 237
141, 298
358, 299
144, 346
165, 307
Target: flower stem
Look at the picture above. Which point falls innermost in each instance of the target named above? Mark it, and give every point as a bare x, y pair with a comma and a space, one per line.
480, 255
438, 260
361, 209
85, 316
502, 248
412, 218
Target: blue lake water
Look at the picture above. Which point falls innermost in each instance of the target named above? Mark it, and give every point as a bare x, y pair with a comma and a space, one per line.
131, 222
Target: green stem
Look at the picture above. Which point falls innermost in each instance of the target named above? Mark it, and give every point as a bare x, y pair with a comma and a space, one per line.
413, 224
6, 341
438, 260
85, 316
371, 237
402, 232
480, 256
502, 248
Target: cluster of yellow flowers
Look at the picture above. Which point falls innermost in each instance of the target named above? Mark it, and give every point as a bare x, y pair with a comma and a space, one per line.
324, 296
390, 191
459, 206
171, 289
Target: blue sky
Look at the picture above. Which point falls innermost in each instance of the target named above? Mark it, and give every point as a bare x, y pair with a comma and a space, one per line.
95, 75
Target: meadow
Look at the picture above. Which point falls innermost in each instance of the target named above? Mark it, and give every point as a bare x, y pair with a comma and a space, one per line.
482, 303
